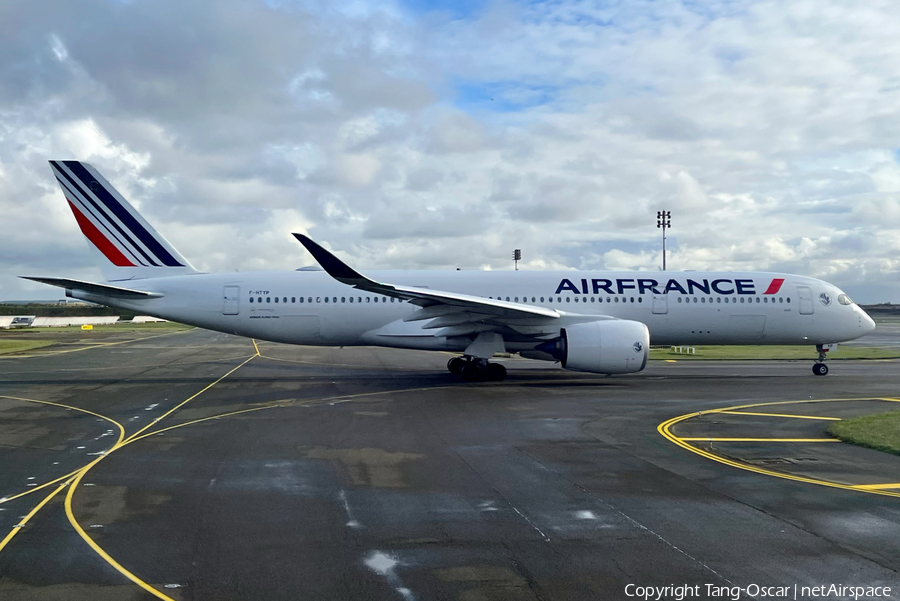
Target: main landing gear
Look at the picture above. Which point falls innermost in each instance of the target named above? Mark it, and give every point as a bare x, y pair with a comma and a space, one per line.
819, 368
474, 369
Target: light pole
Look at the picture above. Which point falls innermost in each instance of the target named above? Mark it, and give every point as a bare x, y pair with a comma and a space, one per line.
517, 256
663, 220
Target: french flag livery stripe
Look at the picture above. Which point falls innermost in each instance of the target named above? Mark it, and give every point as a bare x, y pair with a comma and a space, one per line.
775, 286
123, 215
101, 206
91, 211
99, 240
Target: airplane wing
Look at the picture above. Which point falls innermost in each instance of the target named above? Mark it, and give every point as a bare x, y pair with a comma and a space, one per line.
455, 314
91, 288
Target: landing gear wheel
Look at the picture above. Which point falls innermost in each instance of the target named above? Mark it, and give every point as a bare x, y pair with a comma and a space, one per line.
455, 365
471, 372
820, 369
496, 372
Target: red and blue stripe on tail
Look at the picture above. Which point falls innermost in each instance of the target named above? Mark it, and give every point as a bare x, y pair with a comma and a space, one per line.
130, 245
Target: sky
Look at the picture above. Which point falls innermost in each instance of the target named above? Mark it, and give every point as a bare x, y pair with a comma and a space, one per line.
421, 134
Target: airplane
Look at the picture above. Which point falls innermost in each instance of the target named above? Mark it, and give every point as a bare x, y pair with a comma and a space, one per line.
589, 321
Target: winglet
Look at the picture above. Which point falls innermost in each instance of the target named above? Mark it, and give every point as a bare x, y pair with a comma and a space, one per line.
330, 263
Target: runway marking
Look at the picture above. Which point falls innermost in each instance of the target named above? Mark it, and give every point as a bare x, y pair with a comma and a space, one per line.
665, 430
81, 473
530, 523
70, 474
18, 527
836, 419
92, 345
74, 479
110, 420
707, 438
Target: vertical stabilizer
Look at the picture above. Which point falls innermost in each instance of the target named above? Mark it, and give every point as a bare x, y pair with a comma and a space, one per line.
127, 245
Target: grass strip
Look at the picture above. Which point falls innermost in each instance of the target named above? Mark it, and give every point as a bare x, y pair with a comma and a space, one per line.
748, 352
17, 346
880, 431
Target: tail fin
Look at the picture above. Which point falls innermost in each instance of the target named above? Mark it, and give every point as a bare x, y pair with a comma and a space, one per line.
129, 246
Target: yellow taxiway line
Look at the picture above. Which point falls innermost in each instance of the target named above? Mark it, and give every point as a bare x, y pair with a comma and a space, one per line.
18, 527
714, 439
665, 430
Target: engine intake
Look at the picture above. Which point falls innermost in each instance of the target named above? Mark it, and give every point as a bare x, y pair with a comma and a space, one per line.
615, 346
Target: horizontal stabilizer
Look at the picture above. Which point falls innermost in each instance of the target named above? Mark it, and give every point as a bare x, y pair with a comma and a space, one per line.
91, 288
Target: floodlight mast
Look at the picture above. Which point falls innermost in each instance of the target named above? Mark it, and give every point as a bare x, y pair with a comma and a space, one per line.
663, 220
517, 256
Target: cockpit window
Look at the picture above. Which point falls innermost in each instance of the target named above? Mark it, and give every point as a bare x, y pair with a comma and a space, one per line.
845, 300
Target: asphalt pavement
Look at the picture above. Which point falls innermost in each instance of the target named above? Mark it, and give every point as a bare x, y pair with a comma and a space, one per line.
189, 466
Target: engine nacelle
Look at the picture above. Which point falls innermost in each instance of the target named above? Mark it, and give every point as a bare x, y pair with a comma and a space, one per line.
614, 346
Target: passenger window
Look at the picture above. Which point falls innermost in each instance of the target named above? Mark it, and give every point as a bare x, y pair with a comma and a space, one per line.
507, 298
284, 299
334, 299
542, 299
757, 299
251, 299
617, 299
343, 299
780, 300
276, 299
368, 299
268, 299
703, 300
592, 299
742, 299
532, 299
392, 299
608, 299
318, 299
517, 299
632, 299
309, 300
550, 299
679, 299
788, 299
301, 299
640, 299
718, 299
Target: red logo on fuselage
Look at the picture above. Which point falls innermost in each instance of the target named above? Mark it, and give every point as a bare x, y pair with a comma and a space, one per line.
775, 286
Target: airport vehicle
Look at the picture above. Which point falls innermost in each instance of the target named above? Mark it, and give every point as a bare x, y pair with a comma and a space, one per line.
600, 322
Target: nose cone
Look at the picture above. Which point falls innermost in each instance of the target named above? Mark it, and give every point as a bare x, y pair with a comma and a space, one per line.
866, 323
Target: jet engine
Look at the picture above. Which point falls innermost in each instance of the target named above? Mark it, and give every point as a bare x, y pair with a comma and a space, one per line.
615, 346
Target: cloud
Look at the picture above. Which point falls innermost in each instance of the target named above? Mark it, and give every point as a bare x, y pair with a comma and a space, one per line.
408, 137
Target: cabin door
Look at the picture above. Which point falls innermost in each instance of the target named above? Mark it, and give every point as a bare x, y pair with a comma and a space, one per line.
231, 297
806, 301
660, 304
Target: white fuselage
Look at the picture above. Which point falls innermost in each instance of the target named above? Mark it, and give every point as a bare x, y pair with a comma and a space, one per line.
311, 308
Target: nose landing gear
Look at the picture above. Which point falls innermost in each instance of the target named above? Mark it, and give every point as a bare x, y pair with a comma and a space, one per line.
819, 368
476, 370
